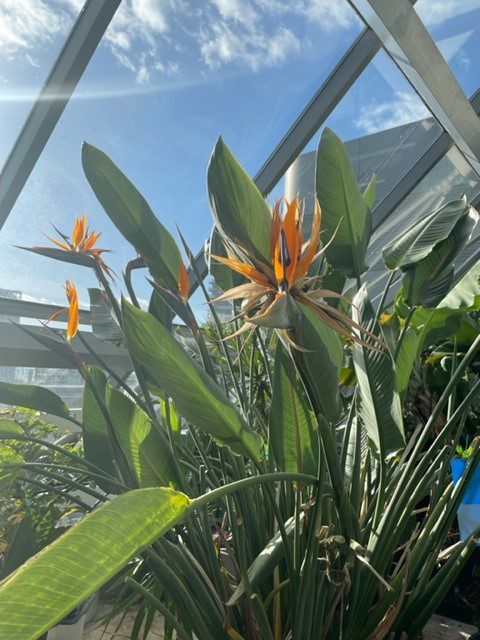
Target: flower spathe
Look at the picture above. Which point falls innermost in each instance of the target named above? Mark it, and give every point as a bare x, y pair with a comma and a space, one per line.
269, 298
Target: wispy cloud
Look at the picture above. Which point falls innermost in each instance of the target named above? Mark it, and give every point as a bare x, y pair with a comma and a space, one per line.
405, 108
27, 24
152, 37
433, 12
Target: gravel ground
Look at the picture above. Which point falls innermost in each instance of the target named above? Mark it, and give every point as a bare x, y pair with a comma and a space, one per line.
439, 628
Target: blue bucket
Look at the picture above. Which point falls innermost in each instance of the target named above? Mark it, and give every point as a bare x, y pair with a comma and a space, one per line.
469, 510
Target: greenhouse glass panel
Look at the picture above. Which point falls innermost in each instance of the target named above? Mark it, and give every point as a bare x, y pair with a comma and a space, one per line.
447, 181
32, 35
385, 126
158, 92
455, 27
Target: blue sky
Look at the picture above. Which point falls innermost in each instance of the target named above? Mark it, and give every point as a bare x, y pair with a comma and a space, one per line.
167, 79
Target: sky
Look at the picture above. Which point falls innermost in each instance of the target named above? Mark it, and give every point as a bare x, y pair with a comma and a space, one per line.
167, 79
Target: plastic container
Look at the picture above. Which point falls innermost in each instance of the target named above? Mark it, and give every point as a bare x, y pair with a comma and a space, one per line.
72, 626
469, 510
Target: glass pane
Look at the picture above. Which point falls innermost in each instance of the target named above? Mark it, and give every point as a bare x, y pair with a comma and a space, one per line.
448, 180
455, 27
31, 35
66, 383
156, 95
385, 126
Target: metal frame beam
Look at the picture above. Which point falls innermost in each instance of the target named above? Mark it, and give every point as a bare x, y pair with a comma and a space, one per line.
408, 42
67, 70
433, 154
17, 349
39, 310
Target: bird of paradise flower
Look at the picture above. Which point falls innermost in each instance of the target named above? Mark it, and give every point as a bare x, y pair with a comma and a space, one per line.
269, 298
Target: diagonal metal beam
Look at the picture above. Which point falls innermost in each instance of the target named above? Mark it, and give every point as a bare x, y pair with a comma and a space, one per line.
67, 70
408, 42
433, 154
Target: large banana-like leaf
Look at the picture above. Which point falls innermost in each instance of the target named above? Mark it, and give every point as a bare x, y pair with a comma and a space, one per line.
239, 209
97, 446
52, 583
292, 428
405, 357
196, 396
141, 442
33, 397
319, 361
104, 324
131, 214
427, 281
346, 216
224, 277
419, 240
379, 407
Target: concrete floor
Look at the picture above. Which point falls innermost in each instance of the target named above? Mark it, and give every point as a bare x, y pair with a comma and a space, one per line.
439, 628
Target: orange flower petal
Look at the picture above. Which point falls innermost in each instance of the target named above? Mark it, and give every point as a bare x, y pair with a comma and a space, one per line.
59, 243
183, 281
91, 240
244, 269
73, 314
79, 230
275, 228
293, 239
310, 251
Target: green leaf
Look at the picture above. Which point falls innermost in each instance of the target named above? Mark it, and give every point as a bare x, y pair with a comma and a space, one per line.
64, 574
104, 324
131, 214
8, 473
9, 429
379, 407
466, 293
428, 281
224, 277
370, 193
345, 214
264, 564
196, 396
21, 545
239, 209
292, 427
147, 453
419, 240
33, 397
320, 364
96, 440
405, 358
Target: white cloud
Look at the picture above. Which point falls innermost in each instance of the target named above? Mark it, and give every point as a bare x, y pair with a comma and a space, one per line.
331, 14
150, 37
405, 108
254, 49
26, 24
435, 11
149, 13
